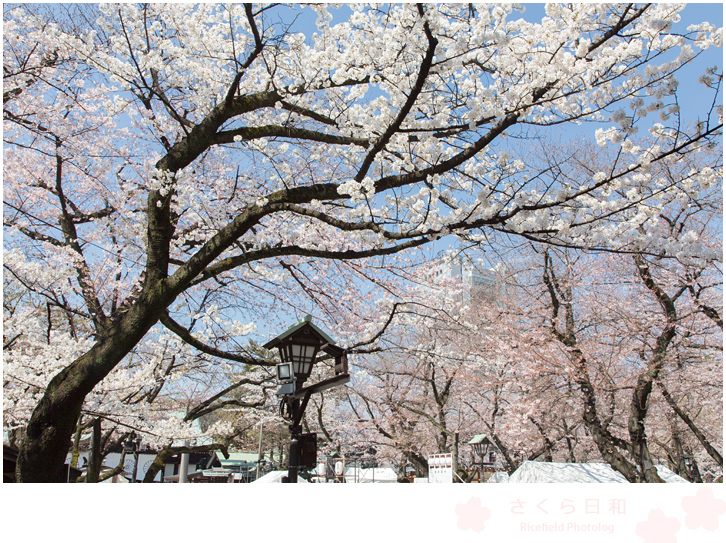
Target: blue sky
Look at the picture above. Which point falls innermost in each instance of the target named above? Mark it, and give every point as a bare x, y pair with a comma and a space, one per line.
693, 97
693, 93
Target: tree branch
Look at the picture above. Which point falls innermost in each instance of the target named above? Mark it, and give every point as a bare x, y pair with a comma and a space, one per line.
713, 453
187, 337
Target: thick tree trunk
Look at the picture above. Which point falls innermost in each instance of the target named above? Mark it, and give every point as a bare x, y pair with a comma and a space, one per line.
48, 436
607, 444
96, 458
636, 428
51, 426
644, 386
420, 463
511, 463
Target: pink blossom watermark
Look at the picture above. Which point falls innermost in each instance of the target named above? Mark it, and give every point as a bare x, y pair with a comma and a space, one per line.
472, 515
658, 528
703, 510
544, 516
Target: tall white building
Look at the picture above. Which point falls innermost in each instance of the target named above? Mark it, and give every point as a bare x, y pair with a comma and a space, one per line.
478, 284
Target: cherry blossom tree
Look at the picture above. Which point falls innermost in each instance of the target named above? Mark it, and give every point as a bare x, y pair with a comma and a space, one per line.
157, 394
654, 327
563, 361
457, 362
165, 160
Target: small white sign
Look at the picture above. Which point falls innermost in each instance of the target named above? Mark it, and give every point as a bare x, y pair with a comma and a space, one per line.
441, 468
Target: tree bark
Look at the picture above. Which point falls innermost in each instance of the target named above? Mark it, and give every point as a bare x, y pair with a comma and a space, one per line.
48, 435
419, 462
96, 458
164, 454
77, 441
157, 465
710, 449
643, 388
548, 445
107, 474
607, 444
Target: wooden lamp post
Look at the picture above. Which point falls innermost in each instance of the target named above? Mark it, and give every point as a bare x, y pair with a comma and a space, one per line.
485, 449
299, 346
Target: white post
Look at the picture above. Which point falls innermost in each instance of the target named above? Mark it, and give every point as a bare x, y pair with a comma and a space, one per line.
259, 454
455, 457
184, 464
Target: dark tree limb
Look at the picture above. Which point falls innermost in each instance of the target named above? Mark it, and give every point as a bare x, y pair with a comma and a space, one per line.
187, 337
710, 449
167, 452
207, 405
607, 443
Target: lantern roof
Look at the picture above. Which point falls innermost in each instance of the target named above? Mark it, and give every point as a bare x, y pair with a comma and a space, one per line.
306, 326
481, 438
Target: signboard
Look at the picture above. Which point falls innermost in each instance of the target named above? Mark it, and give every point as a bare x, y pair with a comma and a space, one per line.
441, 468
308, 450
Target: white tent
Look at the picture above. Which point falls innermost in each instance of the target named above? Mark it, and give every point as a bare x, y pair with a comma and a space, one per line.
276, 477
559, 472
119, 478
668, 476
499, 477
